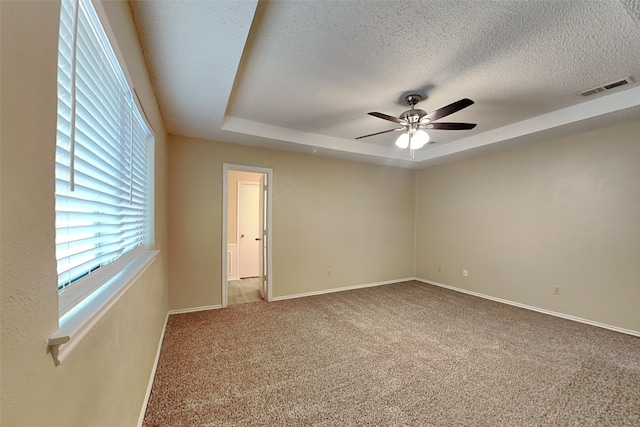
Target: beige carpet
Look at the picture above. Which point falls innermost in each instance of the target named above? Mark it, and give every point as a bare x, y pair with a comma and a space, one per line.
403, 354
243, 291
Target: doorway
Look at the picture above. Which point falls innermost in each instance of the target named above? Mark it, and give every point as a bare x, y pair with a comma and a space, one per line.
246, 231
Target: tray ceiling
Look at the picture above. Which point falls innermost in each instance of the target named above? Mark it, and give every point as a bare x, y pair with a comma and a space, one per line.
302, 75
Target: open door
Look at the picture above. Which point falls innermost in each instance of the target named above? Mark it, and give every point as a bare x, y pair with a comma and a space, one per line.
262, 224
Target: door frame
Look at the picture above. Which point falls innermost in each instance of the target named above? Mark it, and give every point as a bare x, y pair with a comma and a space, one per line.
226, 167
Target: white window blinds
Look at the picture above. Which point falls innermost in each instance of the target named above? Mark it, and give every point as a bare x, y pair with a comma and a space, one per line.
103, 156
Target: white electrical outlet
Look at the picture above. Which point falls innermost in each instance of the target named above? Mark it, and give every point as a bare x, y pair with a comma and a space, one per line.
556, 290
465, 273
439, 269
328, 273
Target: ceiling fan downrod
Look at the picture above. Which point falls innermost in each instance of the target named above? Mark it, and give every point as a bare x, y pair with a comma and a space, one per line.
414, 115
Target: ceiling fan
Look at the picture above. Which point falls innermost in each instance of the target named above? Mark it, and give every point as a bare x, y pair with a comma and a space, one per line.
414, 122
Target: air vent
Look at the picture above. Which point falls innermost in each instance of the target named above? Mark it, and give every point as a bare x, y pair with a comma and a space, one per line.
608, 86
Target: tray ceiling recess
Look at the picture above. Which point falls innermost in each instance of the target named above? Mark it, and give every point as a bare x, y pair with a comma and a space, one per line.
301, 76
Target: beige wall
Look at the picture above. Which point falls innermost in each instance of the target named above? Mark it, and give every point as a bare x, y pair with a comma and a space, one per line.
232, 200
104, 379
562, 213
354, 219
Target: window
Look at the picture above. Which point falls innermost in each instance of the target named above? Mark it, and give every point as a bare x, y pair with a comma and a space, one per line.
104, 160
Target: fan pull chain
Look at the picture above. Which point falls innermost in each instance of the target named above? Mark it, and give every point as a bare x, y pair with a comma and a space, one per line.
411, 150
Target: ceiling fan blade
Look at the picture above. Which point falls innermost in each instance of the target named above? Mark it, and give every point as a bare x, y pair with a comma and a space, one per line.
449, 109
378, 133
387, 117
449, 126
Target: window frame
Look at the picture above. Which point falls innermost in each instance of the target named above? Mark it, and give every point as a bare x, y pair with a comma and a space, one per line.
84, 302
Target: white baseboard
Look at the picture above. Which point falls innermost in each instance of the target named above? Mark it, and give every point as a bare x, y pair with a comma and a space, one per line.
346, 288
194, 309
532, 308
153, 373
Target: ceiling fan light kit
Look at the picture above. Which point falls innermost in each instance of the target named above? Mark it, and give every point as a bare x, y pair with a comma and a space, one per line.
403, 141
415, 139
415, 121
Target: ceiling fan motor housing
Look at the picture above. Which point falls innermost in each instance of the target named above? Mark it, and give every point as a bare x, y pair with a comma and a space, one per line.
413, 116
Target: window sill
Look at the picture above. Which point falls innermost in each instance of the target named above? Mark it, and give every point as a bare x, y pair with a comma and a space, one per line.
75, 324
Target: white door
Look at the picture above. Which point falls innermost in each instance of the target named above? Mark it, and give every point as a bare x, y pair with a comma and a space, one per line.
249, 233
262, 225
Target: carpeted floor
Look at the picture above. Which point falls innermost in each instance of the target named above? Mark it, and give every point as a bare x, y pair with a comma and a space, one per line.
243, 291
401, 354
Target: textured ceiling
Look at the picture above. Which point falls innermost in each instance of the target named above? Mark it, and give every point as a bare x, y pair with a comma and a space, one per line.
301, 75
